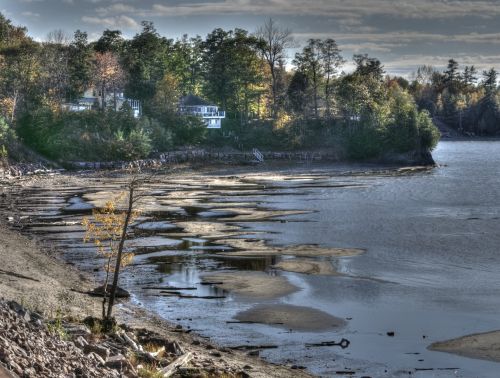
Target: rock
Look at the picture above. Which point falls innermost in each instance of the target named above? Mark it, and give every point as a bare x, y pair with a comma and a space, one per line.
20, 310
116, 362
81, 342
76, 330
30, 351
97, 349
120, 293
98, 358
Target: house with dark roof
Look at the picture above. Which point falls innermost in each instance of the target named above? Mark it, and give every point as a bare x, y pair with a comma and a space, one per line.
194, 105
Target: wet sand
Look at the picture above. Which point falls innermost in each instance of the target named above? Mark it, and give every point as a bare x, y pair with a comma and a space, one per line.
296, 318
252, 284
253, 247
307, 267
484, 346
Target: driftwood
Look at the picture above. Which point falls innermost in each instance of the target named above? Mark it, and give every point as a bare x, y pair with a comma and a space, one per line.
211, 283
344, 343
177, 363
167, 288
202, 297
250, 322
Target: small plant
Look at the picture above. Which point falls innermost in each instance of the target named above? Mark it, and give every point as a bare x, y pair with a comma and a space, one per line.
149, 371
56, 326
3, 153
107, 229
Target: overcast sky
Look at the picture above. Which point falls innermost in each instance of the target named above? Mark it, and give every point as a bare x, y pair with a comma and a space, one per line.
401, 33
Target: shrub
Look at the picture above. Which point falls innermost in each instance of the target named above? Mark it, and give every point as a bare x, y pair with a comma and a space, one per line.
7, 138
189, 130
88, 135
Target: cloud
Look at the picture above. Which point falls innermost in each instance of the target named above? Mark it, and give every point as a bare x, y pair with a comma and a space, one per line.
116, 8
115, 22
30, 14
407, 64
421, 9
405, 37
351, 11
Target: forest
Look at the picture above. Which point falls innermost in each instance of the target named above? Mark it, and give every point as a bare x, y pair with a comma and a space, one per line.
272, 101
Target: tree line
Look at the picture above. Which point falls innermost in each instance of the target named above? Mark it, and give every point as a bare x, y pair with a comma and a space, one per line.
463, 98
268, 104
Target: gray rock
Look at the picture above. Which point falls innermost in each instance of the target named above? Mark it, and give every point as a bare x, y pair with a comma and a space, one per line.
116, 362
97, 349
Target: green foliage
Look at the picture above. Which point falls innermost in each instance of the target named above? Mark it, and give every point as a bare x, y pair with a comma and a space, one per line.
428, 132
56, 326
189, 130
162, 138
7, 138
386, 119
146, 59
79, 64
313, 106
89, 135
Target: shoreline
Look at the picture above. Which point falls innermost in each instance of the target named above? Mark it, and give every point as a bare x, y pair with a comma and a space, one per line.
217, 159
34, 274
138, 316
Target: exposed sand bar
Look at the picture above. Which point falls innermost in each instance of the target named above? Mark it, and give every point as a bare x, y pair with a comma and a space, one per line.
252, 284
253, 247
297, 318
484, 346
307, 267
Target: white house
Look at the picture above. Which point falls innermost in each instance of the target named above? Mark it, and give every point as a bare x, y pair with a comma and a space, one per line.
92, 99
194, 105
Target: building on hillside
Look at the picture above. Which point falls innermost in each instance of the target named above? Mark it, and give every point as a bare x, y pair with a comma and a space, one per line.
194, 105
92, 99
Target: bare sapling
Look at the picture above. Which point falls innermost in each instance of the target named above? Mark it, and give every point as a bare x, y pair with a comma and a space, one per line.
107, 229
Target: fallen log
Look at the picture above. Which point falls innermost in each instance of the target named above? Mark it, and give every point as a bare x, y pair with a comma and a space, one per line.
344, 343
167, 288
177, 363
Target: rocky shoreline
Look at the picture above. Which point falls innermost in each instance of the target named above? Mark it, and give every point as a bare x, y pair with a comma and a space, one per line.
31, 346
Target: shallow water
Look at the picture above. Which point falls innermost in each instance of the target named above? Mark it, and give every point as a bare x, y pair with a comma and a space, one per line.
430, 271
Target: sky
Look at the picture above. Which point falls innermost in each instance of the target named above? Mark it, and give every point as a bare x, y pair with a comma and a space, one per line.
402, 34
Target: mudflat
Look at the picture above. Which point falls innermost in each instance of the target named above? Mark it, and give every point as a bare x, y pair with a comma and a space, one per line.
297, 318
252, 284
307, 267
484, 346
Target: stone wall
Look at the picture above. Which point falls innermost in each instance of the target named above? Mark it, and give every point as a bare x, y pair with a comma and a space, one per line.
204, 156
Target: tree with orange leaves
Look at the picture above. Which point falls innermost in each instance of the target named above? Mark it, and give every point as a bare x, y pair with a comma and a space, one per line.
108, 75
108, 231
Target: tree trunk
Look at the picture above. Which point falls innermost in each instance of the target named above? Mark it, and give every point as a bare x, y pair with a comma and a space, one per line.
120, 251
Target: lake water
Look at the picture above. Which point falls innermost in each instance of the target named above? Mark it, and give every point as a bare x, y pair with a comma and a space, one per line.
431, 270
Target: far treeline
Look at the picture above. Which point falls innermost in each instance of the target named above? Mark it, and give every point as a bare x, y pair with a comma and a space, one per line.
363, 114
